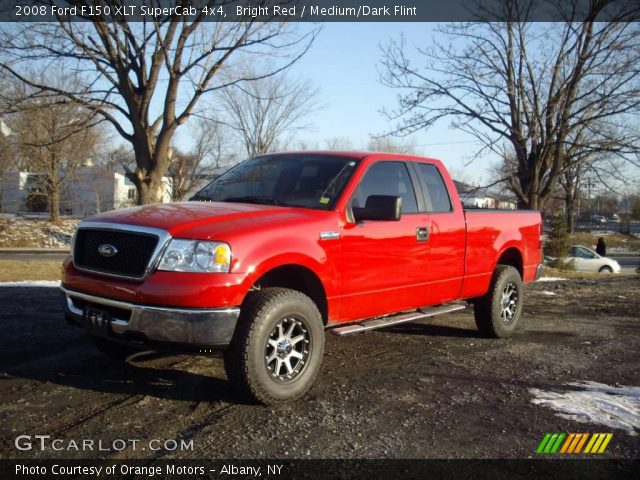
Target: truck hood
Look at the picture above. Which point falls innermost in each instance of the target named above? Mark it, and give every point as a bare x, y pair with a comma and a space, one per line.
207, 219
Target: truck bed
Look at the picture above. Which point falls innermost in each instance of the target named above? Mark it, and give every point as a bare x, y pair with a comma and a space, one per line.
493, 232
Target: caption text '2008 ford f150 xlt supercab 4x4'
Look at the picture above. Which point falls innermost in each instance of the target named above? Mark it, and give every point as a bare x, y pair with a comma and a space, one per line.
285, 246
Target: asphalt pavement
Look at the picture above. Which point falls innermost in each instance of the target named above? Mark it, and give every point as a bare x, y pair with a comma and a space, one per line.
431, 389
43, 257
31, 254
628, 265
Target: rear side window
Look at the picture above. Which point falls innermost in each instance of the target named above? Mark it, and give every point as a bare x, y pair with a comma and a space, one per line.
387, 178
436, 195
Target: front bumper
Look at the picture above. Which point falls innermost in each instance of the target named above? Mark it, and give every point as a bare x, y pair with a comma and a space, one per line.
170, 328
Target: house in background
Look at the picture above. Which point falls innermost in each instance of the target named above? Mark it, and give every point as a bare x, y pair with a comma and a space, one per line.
14, 191
92, 189
477, 197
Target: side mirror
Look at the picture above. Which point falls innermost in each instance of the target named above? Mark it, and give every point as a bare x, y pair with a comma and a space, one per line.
379, 207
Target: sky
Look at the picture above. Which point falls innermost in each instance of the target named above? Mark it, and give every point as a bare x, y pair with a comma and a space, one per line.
343, 63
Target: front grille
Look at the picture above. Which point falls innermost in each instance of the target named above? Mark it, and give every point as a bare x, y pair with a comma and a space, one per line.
134, 251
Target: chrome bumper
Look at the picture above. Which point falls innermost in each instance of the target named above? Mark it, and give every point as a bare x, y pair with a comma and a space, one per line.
145, 324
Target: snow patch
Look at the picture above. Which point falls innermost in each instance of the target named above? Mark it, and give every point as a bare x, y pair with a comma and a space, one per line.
614, 407
32, 283
548, 293
550, 279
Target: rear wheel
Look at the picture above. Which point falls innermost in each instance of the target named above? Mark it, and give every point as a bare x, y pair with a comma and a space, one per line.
606, 269
497, 313
277, 348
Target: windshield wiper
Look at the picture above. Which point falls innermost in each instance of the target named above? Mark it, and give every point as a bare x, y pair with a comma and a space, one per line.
256, 199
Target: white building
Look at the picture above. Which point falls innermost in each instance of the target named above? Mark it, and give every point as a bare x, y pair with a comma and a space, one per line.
93, 189
476, 197
13, 191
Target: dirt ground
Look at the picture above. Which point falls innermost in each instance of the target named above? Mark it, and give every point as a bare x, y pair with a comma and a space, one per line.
422, 390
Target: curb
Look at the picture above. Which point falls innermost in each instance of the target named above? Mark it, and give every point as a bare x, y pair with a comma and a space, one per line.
38, 251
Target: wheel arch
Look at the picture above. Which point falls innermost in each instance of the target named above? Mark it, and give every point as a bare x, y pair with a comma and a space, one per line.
300, 278
513, 257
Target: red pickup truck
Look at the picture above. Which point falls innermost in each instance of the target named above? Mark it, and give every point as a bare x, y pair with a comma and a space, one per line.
285, 246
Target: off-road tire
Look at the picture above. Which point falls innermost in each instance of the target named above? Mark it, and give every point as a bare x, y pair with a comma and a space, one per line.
114, 350
246, 361
506, 294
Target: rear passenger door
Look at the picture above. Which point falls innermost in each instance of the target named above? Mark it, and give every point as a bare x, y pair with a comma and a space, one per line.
384, 261
443, 268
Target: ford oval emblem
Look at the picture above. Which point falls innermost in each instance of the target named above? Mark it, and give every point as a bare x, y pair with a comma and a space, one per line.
107, 250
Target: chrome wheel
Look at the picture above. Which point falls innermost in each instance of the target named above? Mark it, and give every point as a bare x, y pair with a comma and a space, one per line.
287, 349
509, 303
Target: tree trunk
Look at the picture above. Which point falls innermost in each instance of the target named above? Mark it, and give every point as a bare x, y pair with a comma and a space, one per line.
54, 205
152, 160
569, 201
151, 190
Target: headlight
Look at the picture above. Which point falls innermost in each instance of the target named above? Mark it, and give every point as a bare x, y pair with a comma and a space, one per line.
196, 256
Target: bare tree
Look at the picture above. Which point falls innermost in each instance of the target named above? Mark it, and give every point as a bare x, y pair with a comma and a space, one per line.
129, 68
538, 90
392, 145
52, 141
262, 111
339, 143
188, 170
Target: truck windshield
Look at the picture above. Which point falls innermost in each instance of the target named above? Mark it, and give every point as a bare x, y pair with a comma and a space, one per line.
308, 181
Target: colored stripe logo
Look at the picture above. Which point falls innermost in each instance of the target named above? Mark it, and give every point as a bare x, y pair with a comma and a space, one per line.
572, 443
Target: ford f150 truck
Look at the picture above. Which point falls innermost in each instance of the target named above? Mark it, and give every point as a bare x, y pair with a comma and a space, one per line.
285, 246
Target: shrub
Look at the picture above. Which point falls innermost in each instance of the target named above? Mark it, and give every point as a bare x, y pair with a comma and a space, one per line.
559, 242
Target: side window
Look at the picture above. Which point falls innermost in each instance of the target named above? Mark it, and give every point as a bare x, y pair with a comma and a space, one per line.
387, 178
435, 191
584, 253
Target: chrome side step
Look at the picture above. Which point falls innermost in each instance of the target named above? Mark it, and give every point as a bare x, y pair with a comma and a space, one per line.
382, 322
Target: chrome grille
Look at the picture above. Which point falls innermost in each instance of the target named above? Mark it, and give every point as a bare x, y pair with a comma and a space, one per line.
135, 250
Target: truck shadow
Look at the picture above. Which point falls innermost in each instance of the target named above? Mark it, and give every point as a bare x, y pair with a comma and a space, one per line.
146, 374
432, 330
38, 345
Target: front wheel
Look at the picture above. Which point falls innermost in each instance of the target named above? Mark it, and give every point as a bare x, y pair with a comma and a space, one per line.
498, 312
606, 269
277, 348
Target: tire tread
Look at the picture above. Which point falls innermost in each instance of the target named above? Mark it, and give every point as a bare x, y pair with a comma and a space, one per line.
483, 308
237, 356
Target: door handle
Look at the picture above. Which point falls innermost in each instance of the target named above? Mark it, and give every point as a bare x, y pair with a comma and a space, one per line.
422, 234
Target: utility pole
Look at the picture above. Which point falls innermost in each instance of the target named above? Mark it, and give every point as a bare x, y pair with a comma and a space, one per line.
590, 205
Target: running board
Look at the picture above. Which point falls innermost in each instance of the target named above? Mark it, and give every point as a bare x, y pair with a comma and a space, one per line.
396, 319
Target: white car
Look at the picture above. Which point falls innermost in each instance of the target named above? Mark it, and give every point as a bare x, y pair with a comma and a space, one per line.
586, 260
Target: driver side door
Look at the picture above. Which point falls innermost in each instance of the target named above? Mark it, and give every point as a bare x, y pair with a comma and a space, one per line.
383, 261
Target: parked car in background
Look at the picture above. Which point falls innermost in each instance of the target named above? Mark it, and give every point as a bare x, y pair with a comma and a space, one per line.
586, 260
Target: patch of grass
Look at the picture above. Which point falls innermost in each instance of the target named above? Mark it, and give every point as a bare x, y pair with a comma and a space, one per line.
614, 240
18, 243
19, 270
